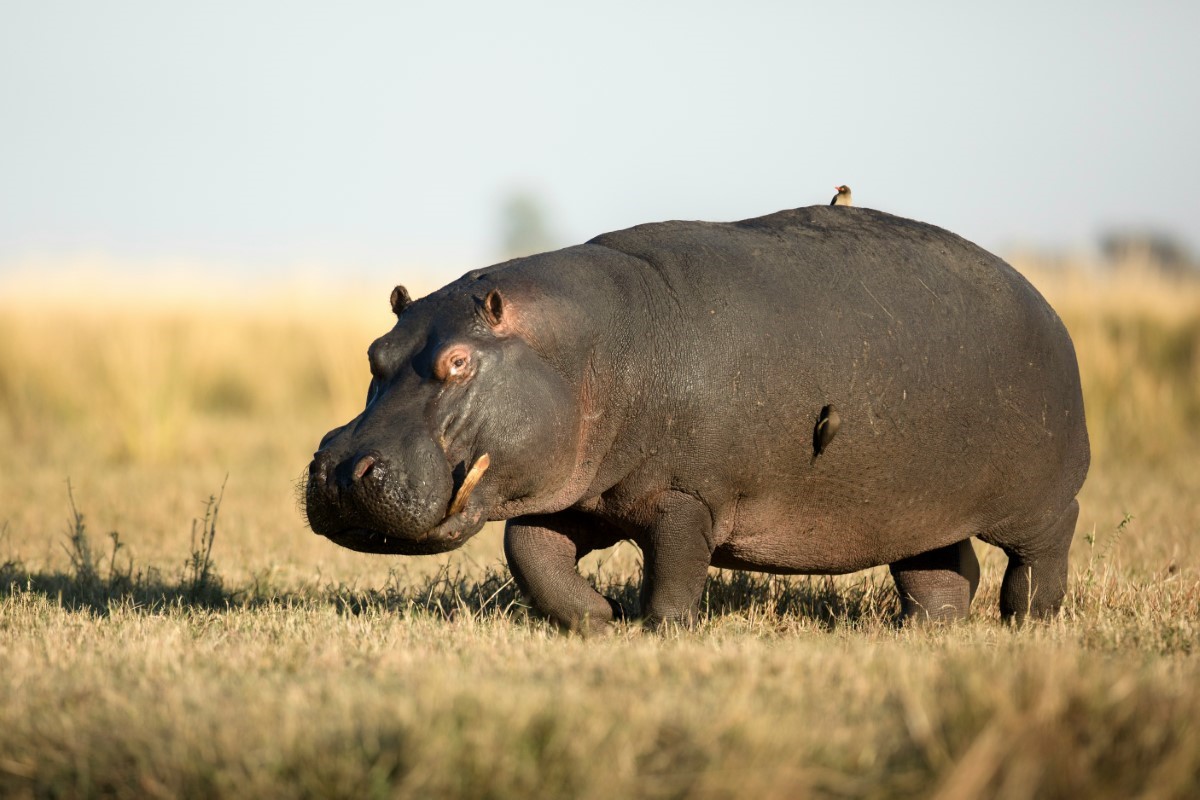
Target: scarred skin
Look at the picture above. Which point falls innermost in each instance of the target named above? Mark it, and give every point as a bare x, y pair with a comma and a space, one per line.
662, 384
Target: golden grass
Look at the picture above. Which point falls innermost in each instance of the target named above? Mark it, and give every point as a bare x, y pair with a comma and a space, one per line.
299, 668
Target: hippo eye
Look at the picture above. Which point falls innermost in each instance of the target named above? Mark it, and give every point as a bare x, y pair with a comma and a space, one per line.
453, 364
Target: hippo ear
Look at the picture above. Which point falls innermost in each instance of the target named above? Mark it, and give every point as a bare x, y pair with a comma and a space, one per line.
493, 308
400, 300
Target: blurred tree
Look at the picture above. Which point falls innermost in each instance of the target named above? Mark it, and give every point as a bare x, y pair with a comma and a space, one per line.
1149, 248
524, 229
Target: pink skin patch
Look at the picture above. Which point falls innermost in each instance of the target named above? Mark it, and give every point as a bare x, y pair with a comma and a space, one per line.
364, 464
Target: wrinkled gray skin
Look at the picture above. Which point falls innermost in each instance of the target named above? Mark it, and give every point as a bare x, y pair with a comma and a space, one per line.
661, 384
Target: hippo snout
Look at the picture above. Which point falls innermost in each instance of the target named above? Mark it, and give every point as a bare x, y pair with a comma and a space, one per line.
369, 501
326, 468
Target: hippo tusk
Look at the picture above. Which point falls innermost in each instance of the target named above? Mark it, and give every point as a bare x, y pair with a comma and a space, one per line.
468, 485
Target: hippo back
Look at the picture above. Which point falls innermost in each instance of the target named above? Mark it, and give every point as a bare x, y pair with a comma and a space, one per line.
956, 384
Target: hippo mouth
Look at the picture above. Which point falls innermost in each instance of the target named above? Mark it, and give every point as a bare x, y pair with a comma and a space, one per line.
462, 521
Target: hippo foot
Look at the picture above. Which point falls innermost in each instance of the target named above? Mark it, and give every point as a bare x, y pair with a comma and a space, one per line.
664, 626
590, 627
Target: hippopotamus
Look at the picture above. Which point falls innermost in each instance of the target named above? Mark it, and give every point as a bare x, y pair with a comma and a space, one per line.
816, 391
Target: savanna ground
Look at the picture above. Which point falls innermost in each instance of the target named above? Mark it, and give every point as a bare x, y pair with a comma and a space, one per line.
154, 642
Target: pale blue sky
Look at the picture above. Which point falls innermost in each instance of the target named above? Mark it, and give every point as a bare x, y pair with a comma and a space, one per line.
384, 135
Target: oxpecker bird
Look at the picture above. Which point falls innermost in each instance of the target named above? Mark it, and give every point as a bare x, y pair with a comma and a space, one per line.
828, 422
842, 198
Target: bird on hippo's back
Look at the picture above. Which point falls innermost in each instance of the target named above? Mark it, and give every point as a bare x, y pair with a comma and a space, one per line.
842, 198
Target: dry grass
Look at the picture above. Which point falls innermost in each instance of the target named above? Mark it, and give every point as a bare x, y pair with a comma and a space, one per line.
142, 664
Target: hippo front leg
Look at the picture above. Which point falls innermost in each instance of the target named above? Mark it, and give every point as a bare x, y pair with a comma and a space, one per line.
542, 553
677, 551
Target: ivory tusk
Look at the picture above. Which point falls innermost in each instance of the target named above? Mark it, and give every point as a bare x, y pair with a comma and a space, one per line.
468, 485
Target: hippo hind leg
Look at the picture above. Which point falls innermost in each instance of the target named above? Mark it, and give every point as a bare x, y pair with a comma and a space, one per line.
937, 585
1035, 580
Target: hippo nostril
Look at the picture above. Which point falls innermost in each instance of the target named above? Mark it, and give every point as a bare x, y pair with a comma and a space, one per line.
363, 466
319, 468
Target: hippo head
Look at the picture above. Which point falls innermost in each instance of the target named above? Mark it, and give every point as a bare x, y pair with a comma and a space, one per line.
466, 420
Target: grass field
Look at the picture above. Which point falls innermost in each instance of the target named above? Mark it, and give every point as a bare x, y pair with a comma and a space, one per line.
137, 662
